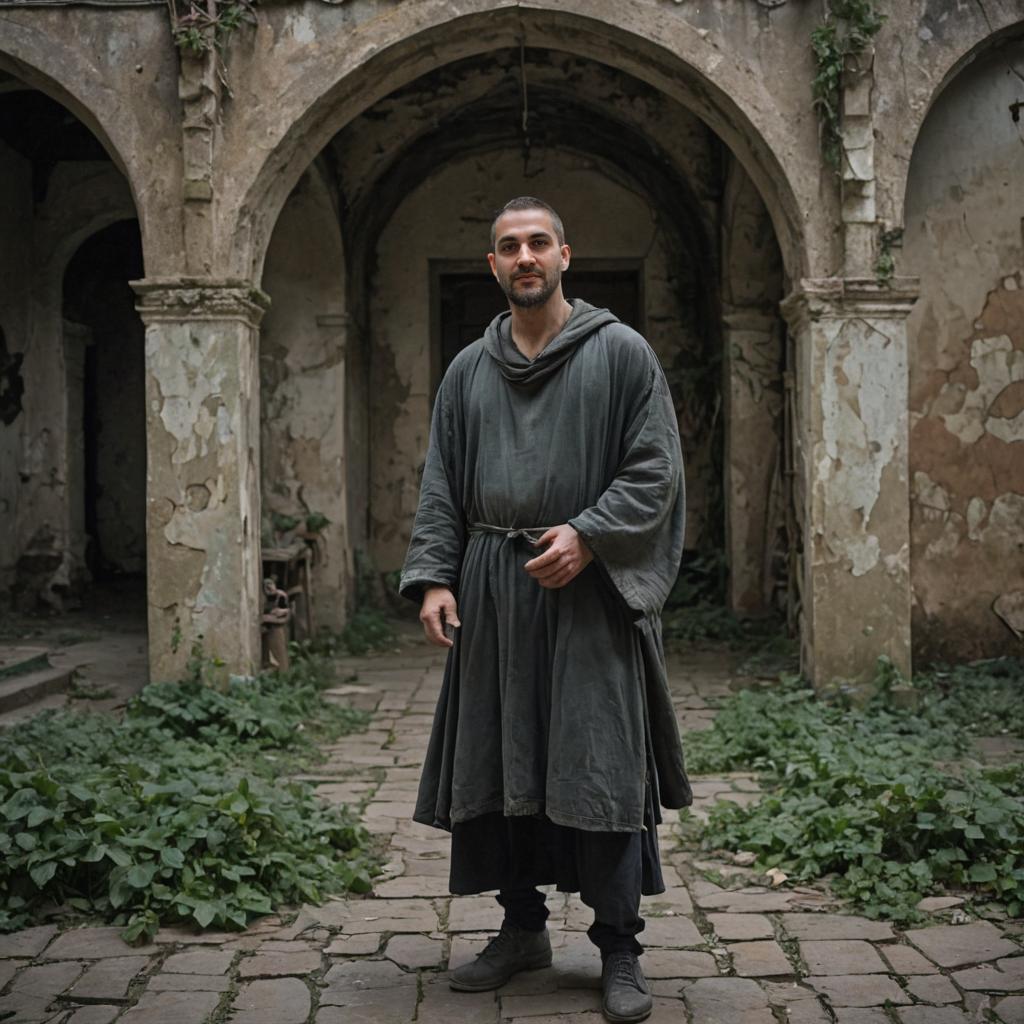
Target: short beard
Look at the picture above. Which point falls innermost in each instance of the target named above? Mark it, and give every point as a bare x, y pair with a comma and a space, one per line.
531, 299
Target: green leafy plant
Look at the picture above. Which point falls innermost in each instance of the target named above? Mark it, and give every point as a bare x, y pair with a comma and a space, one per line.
979, 698
284, 523
867, 798
316, 521
201, 27
176, 813
846, 32
885, 262
367, 630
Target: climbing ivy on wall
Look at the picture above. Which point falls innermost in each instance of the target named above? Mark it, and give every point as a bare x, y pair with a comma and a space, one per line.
201, 26
847, 31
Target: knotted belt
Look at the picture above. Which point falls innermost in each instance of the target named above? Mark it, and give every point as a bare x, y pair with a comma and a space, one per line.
529, 533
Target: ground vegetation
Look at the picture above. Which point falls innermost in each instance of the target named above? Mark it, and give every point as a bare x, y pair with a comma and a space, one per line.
183, 810
887, 802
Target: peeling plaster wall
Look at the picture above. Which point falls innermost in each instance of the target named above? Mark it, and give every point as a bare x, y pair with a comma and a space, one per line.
302, 383
202, 519
448, 218
965, 203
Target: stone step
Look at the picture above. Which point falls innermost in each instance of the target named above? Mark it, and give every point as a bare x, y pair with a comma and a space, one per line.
18, 690
17, 661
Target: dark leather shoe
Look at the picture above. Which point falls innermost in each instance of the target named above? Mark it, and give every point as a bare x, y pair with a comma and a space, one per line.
626, 995
512, 950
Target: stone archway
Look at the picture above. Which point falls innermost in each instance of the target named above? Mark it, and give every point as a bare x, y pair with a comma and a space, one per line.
604, 130
260, 163
134, 137
106, 421
62, 187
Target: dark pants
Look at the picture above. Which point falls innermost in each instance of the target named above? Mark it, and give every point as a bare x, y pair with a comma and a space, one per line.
610, 874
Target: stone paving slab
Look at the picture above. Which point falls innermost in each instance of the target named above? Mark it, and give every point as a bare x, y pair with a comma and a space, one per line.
93, 944
842, 956
760, 959
108, 980
728, 1001
715, 954
958, 945
172, 1008
1011, 1010
933, 988
284, 1001
859, 989
95, 1014
906, 960
741, 927
27, 943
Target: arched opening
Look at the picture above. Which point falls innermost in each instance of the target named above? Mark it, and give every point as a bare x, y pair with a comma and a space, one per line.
965, 195
104, 353
72, 506
666, 227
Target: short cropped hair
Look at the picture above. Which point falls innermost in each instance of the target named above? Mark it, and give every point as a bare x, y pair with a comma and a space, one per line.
529, 203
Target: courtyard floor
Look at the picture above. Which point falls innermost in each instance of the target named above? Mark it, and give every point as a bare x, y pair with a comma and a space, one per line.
750, 955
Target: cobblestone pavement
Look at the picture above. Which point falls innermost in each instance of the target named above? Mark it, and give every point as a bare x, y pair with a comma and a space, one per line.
714, 956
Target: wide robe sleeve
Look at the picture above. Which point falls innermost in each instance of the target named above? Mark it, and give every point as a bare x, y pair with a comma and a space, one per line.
439, 530
635, 531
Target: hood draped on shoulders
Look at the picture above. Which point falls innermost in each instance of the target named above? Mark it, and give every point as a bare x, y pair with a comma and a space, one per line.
517, 369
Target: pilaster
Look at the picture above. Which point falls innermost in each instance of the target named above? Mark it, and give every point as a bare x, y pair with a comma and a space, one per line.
852, 437
202, 490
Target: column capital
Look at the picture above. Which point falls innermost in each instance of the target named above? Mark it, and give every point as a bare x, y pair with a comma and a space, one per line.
840, 298
177, 299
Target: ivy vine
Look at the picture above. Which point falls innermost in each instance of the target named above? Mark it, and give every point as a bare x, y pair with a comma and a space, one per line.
847, 31
204, 26
885, 264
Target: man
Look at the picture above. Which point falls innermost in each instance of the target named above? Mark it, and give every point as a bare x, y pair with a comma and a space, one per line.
548, 534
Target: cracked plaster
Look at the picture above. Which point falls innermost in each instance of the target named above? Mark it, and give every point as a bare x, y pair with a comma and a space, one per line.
863, 410
963, 238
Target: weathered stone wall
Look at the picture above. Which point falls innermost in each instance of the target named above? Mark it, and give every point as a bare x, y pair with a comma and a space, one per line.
44, 561
302, 385
965, 203
207, 177
448, 218
15, 314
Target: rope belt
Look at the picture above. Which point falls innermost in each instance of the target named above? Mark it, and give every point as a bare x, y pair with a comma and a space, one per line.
529, 533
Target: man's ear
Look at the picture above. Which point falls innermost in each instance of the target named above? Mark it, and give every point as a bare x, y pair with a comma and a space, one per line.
566, 256
490, 261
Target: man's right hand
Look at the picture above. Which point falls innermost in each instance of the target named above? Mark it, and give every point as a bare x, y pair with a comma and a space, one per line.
437, 610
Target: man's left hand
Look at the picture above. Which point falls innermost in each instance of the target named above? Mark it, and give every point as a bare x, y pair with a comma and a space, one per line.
565, 558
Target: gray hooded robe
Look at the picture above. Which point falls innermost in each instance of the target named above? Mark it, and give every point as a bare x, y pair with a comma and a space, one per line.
554, 702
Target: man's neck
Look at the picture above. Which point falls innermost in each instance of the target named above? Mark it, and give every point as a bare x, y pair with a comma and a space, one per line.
535, 327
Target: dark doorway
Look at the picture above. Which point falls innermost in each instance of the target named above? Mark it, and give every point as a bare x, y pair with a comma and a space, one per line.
465, 301
99, 305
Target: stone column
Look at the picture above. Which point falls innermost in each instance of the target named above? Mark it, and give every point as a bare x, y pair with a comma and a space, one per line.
753, 409
851, 434
202, 490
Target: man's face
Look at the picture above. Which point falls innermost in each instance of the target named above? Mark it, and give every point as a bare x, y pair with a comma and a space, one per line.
527, 259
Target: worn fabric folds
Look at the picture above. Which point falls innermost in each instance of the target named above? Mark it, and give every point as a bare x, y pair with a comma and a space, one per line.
554, 702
